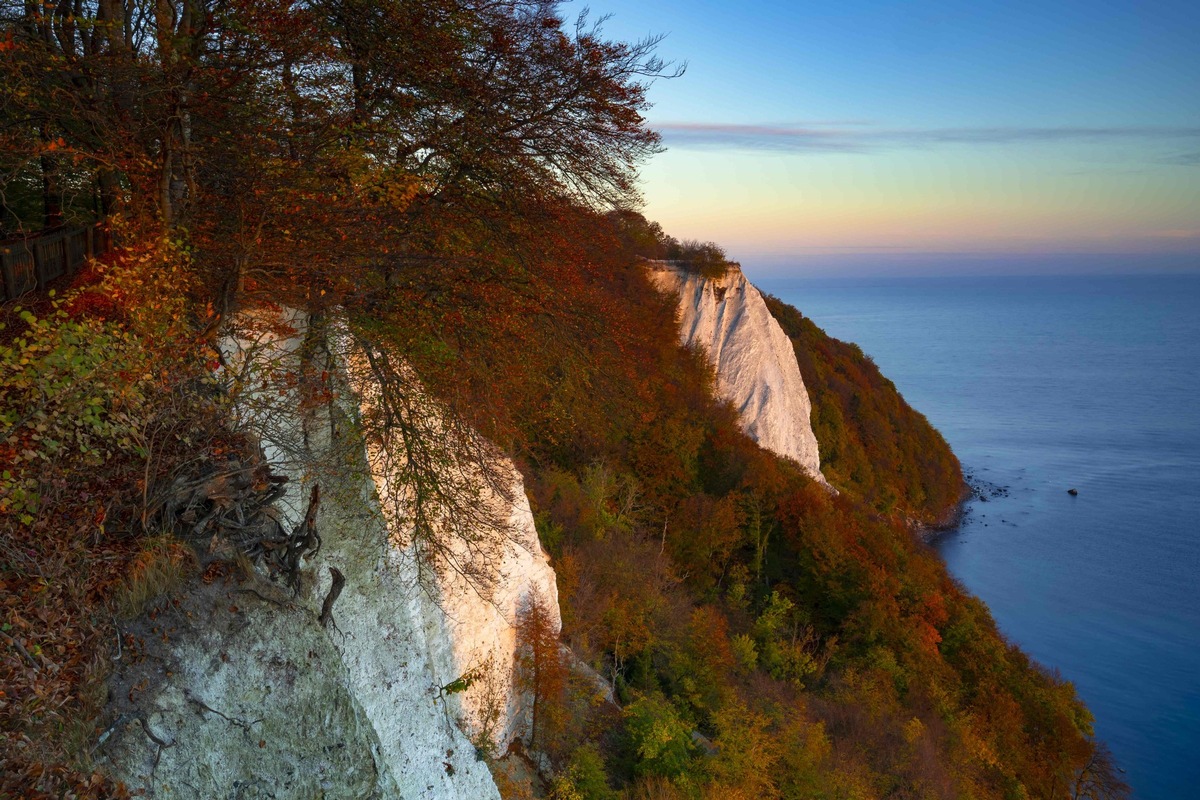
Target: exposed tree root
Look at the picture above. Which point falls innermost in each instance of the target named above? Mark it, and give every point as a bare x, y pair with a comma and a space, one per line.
339, 581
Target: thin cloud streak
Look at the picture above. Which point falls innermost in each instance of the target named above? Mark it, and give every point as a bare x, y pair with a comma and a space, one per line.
761, 137
817, 139
1184, 160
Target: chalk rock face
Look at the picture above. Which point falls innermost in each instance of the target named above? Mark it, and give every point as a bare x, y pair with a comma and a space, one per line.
752, 356
416, 671
240, 698
483, 631
473, 592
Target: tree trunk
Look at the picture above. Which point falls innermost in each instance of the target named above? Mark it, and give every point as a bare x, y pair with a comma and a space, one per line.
111, 198
52, 197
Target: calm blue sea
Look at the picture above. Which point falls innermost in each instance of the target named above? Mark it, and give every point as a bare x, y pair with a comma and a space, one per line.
1044, 384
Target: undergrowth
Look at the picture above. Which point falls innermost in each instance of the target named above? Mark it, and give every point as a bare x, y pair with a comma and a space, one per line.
104, 397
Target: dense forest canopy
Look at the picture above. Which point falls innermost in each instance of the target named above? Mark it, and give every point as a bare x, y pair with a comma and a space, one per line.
342, 143
456, 180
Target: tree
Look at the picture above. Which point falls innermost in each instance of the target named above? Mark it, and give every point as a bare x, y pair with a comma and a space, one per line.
541, 670
747, 752
361, 134
706, 258
659, 738
406, 161
584, 778
1100, 777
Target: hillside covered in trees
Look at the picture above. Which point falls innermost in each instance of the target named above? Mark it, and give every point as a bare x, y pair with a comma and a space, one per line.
455, 182
873, 444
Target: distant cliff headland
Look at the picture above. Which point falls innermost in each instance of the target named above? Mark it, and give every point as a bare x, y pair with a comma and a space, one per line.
388, 453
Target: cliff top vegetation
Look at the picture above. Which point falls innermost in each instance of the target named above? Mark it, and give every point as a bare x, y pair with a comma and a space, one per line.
454, 179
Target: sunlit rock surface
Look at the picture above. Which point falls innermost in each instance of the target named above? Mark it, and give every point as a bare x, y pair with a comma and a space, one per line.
360, 708
752, 356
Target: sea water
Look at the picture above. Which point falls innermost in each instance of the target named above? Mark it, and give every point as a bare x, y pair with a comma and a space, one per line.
1047, 384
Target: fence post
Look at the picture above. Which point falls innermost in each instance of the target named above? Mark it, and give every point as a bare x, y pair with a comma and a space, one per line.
49, 257
17, 264
36, 252
7, 281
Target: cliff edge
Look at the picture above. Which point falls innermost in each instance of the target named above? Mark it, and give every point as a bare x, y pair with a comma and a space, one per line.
753, 358
244, 692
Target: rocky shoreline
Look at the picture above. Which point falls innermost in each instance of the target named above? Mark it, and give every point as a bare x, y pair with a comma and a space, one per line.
975, 489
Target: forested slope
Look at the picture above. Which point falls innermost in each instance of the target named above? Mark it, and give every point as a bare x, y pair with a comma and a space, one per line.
873, 444
450, 183
821, 650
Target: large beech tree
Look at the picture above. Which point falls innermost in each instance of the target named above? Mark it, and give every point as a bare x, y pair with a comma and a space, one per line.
343, 134
410, 161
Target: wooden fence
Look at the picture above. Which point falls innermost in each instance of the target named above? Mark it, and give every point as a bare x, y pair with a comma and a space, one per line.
32, 262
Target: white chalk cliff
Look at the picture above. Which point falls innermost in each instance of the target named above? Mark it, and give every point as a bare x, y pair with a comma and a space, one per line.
753, 358
261, 701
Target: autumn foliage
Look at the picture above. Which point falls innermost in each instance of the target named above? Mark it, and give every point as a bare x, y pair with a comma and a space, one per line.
812, 642
873, 444
99, 410
455, 181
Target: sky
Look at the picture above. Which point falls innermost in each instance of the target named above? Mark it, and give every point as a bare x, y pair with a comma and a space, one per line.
926, 137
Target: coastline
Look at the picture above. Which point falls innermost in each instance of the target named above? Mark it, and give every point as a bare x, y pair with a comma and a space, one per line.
953, 518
